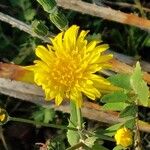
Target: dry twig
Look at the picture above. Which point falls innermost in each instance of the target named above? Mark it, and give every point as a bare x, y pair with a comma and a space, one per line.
105, 13
20, 25
127, 5
34, 94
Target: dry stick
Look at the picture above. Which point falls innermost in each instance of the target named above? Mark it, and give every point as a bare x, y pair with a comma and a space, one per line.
34, 94
20, 25
105, 13
123, 4
27, 28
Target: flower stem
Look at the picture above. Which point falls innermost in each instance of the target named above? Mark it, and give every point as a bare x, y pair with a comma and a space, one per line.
79, 123
79, 117
41, 123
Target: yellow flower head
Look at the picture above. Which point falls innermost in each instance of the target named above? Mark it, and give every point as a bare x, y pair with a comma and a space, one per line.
124, 137
67, 68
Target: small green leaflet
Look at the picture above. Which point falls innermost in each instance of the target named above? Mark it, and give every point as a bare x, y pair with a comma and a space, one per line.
121, 80
129, 111
139, 85
119, 147
118, 106
115, 127
118, 96
130, 124
112, 129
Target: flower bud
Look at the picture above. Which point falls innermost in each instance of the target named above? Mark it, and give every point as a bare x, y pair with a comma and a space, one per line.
3, 116
59, 20
39, 28
124, 137
48, 5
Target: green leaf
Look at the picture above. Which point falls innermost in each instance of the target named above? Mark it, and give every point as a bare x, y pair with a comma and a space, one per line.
99, 147
90, 141
73, 136
29, 14
130, 124
118, 147
44, 115
94, 36
129, 111
118, 96
115, 106
139, 85
49, 114
121, 80
111, 131
24, 53
115, 127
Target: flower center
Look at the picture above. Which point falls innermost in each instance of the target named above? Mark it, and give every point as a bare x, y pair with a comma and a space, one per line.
64, 72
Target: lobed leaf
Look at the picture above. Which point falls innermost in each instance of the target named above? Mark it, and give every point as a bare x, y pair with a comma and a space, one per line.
139, 85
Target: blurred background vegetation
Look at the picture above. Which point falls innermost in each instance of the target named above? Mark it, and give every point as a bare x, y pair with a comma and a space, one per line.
18, 47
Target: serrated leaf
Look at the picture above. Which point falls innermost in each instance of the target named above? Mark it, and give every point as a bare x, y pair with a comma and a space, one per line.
119, 106
73, 136
44, 115
129, 111
121, 80
118, 96
49, 114
90, 141
139, 85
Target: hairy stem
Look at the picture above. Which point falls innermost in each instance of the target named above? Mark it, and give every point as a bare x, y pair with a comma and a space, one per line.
41, 123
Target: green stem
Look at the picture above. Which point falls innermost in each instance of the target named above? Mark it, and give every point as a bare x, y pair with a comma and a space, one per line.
79, 122
79, 117
42, 124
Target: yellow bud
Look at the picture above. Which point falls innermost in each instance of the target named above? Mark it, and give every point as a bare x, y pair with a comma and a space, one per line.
3, 116
124, 137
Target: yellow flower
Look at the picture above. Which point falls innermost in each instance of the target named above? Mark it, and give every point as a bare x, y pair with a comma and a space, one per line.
124, 137
67, 67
